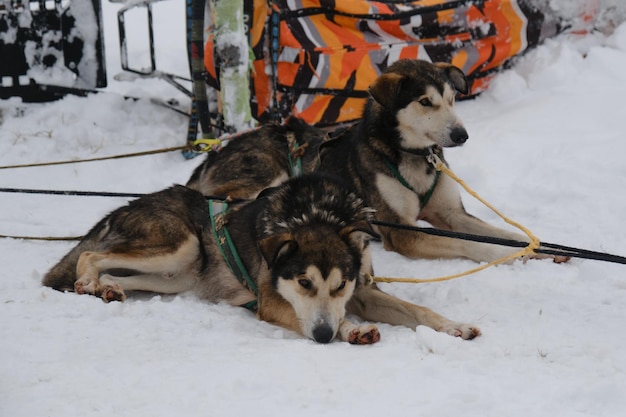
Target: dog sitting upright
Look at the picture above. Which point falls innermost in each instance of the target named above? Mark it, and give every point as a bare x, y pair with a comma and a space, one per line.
409, 116
259, 159
300, 253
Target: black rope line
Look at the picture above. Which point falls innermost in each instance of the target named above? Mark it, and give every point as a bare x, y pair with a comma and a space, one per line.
64, 193
87, 194
107, 194
546, 247
71, 193
553, 249
45, 238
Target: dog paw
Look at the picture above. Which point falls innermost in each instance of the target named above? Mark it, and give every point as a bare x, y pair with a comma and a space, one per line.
81, 287
557, 259
364, 335
464, 331
560, 259
112, 293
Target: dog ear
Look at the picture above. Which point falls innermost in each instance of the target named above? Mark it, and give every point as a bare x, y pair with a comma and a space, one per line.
326, 146
385, 89
277, 246
359, 234
455, 76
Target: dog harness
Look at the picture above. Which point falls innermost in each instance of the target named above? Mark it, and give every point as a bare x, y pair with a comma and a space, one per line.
217, 212
423, 198
295, 155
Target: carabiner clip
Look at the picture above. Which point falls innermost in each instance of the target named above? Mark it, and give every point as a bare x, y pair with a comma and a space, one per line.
207, 145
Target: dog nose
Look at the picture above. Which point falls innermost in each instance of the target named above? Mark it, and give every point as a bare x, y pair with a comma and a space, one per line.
459, 135
323, 333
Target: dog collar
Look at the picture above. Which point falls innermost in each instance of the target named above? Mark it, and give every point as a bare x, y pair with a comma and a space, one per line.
434, 149
217, 211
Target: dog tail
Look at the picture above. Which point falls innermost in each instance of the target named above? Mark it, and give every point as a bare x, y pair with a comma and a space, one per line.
62, 276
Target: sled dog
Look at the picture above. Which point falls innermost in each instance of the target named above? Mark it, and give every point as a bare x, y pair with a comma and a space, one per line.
259, 159
303, 245
408, 116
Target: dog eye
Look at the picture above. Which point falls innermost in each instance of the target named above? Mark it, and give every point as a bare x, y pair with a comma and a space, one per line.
305, 283
342, 285
426, 102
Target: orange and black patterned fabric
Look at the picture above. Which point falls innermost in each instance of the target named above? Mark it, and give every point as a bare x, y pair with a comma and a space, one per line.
316, 58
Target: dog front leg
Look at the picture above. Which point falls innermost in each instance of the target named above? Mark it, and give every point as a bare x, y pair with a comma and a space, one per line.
88, 271
422, 246
274, 309
372, 304
461, 221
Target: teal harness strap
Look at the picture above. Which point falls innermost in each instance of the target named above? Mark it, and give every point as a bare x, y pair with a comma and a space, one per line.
423, 198
295, 160
295, 166
217, 211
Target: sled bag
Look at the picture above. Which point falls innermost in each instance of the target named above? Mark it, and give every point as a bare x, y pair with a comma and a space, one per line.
316, 58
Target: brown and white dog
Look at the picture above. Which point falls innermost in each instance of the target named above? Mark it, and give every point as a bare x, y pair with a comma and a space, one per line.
303, 247
409, 116
259, 159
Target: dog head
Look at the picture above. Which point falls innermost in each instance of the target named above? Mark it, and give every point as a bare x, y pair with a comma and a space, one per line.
304, 133
420, 96
315, 243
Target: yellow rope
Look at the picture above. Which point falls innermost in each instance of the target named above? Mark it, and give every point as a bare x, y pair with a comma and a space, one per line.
528, 250
199, 145
103, 158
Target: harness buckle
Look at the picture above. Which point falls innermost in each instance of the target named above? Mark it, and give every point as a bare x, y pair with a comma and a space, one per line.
207, 145
434, 159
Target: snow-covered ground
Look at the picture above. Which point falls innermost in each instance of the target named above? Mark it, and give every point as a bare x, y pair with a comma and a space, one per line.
546, 147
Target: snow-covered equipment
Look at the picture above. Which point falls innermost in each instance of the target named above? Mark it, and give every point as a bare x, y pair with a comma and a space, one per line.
254, 61
315, 58
49, 48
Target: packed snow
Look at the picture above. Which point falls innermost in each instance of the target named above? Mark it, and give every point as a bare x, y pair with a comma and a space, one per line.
546, 147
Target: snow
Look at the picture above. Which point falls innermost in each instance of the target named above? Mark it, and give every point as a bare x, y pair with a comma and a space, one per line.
546, 147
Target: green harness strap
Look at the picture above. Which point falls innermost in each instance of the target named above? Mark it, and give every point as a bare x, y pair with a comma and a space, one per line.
423, 198
217, 211
295, 161
295, 166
